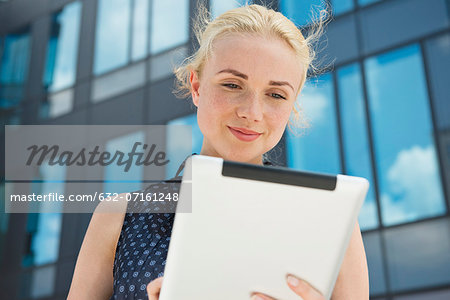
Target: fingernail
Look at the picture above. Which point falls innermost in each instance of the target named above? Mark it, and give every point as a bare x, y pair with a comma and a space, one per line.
293, 281
256, 297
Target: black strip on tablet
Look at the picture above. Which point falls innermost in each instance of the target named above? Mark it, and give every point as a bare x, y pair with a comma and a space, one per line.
279, 175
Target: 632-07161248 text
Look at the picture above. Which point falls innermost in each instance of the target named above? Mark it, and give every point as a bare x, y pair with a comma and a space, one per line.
135, 196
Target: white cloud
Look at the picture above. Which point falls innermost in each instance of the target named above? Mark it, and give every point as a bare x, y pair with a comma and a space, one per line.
414, 188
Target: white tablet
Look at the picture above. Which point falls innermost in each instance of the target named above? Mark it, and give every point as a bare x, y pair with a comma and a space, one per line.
252, 225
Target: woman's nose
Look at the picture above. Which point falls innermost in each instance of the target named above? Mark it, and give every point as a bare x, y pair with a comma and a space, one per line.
251, 108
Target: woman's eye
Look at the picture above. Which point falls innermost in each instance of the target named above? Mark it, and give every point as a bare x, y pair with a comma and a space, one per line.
231, 85
278, 96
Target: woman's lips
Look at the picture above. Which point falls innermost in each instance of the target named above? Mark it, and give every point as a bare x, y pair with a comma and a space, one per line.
244, 134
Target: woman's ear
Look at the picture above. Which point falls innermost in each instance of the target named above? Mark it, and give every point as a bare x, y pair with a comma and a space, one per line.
195, 86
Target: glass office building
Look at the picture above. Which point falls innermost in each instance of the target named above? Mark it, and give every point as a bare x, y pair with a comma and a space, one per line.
378, 108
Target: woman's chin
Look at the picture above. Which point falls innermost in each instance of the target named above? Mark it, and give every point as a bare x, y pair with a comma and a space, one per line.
238, 154
244, 157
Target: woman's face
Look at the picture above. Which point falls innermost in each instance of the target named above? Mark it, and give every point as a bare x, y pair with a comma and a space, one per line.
245, 96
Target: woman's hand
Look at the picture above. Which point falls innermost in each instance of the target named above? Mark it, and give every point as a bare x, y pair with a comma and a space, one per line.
300, 287
153, 288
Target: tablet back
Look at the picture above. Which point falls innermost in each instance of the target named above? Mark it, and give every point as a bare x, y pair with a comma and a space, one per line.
251, 225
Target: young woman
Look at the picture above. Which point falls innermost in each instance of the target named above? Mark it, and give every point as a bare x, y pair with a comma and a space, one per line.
244, 80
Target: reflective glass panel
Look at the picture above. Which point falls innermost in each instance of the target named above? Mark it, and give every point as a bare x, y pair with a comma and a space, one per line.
437, 50
317, 149
4, 220
114, 172
418, 255
406, 161
112, 35
301, 11
170, 24
10, 116
57, 104
43, 282
341, 6
140, 29
62, 48
218, 7
374, 254
14, 69
44, 228
365, 2
37, 283
4, 217
433, 295
355, 137
179, 150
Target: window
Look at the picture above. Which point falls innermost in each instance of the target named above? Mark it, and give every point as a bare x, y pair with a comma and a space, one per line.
418, 255
177, 146
128, 30
44, 228
13, 74
43, 281
341, 6
4, 218
438, 61
318, 148
366, 2
140, 29
37, 282
355, 137
116, 179
218, 7
112, 35
62, 49
406, 160
431, 295
165, 32
301, 12
373, 244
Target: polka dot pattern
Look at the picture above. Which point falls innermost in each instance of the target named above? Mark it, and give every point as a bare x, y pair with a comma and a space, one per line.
143, 243
141, 253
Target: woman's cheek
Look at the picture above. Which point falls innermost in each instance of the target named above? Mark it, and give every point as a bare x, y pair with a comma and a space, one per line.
220, 103
278, 121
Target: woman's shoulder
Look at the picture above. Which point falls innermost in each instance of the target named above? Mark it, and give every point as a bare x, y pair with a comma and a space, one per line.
92, 277
115, 204
107, 219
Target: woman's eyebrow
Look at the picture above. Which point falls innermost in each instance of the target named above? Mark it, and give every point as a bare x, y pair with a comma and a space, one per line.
280, 83
234, 72
242, 75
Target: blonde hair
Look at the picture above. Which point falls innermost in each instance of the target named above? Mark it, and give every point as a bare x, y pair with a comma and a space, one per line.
250, 19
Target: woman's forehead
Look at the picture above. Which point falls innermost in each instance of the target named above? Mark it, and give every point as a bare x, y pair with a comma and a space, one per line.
255, 55
246, 45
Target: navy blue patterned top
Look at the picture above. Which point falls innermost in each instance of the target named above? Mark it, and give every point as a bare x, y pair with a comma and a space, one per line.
142, 248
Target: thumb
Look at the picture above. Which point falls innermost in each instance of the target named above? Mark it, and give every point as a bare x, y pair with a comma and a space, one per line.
153, 288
